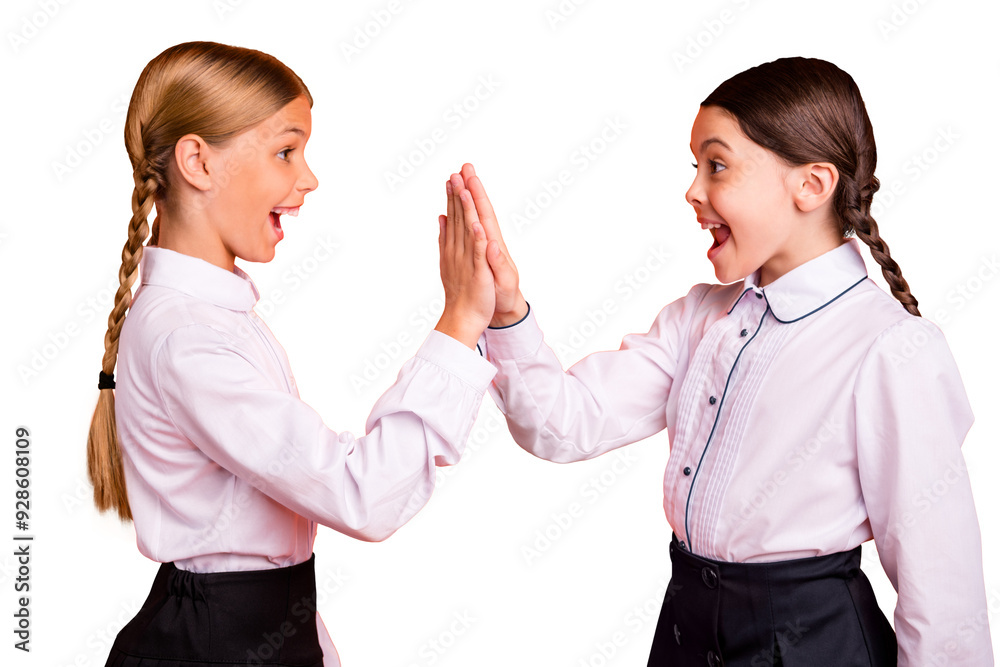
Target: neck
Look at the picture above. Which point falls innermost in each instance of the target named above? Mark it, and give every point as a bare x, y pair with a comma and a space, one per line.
191, 234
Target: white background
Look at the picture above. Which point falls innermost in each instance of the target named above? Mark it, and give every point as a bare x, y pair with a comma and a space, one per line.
927, 70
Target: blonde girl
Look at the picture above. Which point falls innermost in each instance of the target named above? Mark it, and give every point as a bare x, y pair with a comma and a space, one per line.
203, 441
797, 371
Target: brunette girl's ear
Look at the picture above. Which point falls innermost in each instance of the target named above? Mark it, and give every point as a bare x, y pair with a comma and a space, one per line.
813, 185
191, 161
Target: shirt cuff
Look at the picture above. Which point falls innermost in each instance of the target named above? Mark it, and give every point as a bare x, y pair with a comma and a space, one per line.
515, 341
456, 358
507, 326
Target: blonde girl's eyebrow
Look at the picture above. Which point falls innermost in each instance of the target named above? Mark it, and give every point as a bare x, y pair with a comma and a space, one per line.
293, 130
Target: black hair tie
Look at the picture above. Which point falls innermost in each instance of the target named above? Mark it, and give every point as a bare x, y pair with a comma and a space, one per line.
106, 381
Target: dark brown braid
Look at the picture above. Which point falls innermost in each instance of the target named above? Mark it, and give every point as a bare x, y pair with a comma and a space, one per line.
857, 218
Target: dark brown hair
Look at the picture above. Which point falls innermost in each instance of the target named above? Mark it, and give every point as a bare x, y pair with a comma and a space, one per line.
215, 91
807, 110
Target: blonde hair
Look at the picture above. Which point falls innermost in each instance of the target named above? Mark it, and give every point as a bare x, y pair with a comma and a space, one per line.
212, 90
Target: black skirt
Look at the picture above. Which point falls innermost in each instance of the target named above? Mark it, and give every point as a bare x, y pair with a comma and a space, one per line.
795, 613
259, 617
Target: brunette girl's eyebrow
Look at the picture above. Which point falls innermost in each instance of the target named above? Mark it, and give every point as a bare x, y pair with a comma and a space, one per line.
715, 140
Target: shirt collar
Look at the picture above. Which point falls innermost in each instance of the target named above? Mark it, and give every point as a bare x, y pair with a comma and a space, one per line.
196, 277
812, 286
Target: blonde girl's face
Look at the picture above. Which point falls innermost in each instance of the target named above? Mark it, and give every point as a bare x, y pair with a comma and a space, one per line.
741, 195
260, 176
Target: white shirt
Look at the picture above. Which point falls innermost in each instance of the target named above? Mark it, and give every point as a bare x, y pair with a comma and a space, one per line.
804, 418
227, 468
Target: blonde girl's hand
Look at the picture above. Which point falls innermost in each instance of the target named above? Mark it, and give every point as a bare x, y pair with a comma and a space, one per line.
469, 300
510, 304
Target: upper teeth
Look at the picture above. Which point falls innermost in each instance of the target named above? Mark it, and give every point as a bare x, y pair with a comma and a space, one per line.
286, 210
710, 225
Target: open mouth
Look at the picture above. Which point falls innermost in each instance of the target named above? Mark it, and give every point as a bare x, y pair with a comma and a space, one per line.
720, 234
275, 216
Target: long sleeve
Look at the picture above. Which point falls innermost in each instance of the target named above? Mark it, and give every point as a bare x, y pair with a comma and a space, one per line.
604, 401
367, 487
912, 416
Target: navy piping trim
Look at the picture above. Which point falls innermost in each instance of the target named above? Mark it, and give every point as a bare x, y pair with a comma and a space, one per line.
738, 300
718, 411
819, 308
508, 326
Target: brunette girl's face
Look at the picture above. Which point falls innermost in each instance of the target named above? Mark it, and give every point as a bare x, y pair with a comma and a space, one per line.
263, 176
741, 194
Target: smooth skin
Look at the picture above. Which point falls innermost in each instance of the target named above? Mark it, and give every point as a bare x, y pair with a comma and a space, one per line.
469, 300
779, 216
510, 306
221, 196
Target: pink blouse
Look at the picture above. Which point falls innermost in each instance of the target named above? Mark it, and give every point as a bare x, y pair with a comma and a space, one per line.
804, 418
228, 469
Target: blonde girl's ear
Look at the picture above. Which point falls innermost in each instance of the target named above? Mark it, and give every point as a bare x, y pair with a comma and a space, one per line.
813, 185
191, 155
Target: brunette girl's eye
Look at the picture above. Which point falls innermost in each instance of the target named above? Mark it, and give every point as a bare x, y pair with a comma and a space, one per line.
716, 167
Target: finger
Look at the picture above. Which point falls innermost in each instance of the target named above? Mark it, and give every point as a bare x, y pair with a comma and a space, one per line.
449, 233
467, 171
485, 209
481, 243
442, 226
458, 231
471, 219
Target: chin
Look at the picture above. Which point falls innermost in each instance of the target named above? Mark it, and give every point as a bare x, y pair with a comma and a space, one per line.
726, 275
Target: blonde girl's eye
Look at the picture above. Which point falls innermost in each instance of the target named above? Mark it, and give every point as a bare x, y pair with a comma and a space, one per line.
283, 153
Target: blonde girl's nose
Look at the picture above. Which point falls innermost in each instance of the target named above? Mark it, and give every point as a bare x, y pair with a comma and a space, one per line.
307, 180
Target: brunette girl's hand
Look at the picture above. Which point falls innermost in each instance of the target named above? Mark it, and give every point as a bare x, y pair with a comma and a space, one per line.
510, 304
469, 300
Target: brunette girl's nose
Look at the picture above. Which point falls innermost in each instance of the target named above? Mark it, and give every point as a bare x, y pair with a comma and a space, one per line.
693, 194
